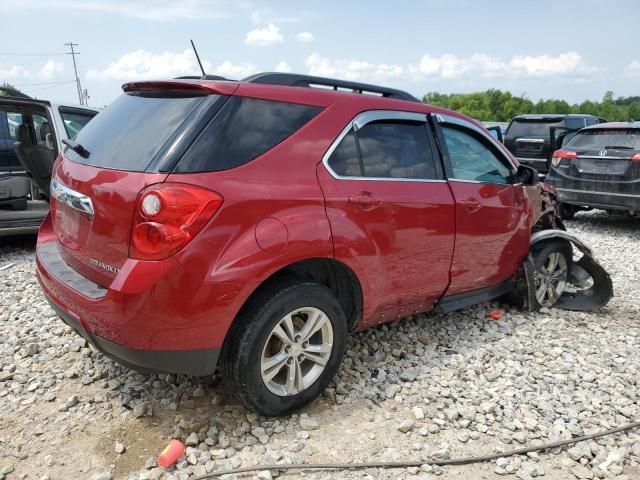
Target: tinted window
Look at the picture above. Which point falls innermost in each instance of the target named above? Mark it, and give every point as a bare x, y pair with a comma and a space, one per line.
472, 160
531, 128
242, 130
344, 160
573, 122
600, 139
13, 120
75, 120
396, 150
132, 130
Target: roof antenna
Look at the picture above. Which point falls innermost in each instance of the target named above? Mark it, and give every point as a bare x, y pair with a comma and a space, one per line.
198, 58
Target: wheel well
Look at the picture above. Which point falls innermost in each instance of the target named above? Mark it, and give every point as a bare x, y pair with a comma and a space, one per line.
334, 275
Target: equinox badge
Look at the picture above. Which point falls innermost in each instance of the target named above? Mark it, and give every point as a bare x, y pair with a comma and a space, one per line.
104, 266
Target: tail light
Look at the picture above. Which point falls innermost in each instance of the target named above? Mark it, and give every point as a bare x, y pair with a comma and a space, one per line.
636, 157
167, 216
559, 155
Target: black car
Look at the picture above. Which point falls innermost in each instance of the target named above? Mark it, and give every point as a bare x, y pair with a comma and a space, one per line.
528, 136
599, 167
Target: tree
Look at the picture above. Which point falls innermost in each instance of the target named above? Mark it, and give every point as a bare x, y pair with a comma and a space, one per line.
500, 106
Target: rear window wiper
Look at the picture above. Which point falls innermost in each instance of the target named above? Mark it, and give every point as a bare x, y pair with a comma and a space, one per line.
618, 147
76, 147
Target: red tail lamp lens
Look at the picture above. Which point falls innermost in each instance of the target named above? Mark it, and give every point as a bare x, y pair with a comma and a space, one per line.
168, 216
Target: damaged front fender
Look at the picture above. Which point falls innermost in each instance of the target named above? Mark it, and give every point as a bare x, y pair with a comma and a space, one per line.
589, 285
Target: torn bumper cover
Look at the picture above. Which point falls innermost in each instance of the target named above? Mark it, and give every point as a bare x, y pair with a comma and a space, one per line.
590, 284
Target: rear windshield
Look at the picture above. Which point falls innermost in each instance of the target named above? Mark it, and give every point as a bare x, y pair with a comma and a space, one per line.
132, 130
529, 128
601, 139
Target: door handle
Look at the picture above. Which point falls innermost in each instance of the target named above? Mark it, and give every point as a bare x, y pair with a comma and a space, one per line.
365, 199
470, 204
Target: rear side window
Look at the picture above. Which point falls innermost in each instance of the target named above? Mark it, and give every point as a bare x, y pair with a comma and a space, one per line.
241, 131
132, 130
388, 149
531, 128
573, 122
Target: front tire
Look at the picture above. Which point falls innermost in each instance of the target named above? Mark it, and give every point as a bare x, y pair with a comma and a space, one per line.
285, 347
551, 260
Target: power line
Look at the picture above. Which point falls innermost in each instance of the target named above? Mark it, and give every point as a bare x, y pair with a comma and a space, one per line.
31, 54
51, 86
42, 83
75, 68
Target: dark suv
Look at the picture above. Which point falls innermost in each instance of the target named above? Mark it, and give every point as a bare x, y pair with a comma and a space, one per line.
599, 167
254, 224
528, 137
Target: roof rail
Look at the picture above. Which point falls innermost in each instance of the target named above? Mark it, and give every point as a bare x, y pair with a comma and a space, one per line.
296, 80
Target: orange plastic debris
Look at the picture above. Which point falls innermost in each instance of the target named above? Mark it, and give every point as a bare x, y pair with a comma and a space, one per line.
171, 453
495, 314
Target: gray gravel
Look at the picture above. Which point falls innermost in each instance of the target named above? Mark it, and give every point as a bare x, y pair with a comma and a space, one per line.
431, 386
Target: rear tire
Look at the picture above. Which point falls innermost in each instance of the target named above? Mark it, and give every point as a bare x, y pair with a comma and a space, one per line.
270, 362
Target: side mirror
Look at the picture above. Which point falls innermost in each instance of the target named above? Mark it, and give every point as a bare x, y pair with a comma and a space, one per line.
49, 141
526, 175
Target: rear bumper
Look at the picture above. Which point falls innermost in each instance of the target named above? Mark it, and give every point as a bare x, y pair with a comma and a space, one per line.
191, 362
157, 317
604, 200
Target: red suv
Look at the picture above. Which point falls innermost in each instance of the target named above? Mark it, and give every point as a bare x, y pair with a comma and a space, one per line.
254, 224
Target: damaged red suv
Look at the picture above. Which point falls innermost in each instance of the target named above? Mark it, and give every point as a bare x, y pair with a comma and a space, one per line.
252, 225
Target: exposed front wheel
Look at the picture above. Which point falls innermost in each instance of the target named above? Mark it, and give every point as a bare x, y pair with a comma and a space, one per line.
285, 347
552, 260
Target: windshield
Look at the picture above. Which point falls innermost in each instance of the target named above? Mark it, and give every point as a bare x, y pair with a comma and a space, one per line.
600, 139
132, 130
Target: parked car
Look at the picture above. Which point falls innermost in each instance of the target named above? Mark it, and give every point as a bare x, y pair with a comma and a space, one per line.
527, 136
31, 135
598, 167
254, 224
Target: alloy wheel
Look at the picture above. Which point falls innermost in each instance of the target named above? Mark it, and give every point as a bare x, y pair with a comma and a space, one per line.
551, 279
296, 351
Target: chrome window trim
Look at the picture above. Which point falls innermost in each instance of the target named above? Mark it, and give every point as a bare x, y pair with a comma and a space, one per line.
359, 122
73, 199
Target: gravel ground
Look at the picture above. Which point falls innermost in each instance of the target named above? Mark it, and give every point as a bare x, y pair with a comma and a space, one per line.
431, 386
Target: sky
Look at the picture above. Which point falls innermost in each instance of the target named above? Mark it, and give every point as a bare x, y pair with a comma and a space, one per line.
572, 50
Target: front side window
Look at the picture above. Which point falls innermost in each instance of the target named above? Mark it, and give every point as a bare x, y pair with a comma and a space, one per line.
471, 159
75, 120
385, 149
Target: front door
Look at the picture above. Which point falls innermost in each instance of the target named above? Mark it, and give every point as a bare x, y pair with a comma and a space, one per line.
492, 224
391, 212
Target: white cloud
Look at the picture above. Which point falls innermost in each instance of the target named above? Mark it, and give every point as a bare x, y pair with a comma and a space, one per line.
270, 35
141, 64
235, 71
305, 37
13, 71
633, 68
51, 69
283, 66
450, 66
159, 10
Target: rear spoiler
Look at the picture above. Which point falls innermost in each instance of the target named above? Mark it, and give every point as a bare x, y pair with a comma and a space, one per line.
182, 86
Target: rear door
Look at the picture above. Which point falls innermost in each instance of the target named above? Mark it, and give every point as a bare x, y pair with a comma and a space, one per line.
391, 212
492, 225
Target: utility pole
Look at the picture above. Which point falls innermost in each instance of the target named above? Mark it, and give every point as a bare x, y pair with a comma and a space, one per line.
75, 68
